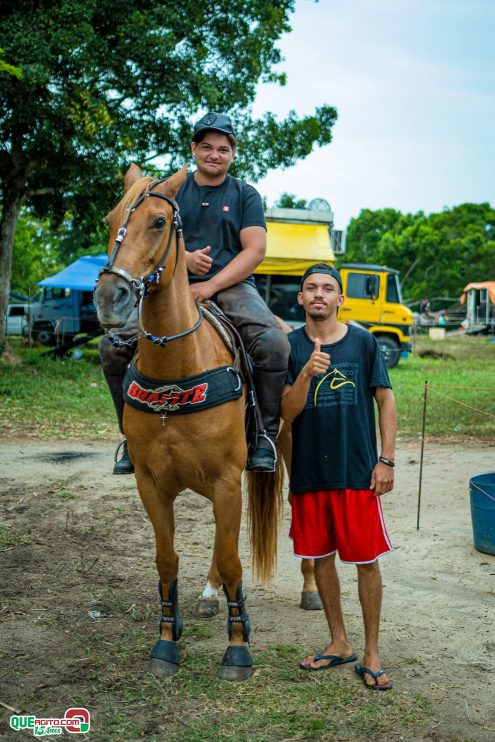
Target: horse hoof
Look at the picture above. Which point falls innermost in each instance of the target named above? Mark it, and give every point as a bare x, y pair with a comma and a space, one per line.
237, 663
232, 672
161, 668
206, 607
310, 601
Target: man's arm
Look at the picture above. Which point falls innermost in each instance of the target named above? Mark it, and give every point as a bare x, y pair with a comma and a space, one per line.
382, 478
294, 395
253, 243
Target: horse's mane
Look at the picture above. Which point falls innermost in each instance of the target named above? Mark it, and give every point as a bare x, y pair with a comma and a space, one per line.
131, 196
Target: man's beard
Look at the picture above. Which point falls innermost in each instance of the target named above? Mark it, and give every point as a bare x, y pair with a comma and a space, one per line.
319, 314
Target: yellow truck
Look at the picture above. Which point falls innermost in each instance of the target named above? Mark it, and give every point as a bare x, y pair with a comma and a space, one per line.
298, 238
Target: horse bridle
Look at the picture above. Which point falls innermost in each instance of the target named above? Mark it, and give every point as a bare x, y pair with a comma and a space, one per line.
141, 285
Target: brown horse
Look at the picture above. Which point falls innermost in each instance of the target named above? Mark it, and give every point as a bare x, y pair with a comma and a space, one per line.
204, 451
208, 604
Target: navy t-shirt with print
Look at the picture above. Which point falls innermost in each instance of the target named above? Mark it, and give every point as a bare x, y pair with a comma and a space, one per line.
334, 437
214, 215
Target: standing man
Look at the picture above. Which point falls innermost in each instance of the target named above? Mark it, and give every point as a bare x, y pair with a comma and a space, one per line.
336, 374
225, 237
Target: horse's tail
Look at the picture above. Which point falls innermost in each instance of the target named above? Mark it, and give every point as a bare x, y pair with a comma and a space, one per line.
264, 510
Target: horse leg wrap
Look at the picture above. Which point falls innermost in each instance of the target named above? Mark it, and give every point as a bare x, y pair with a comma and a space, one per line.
242, 617
166, 651
173, 603
237, 657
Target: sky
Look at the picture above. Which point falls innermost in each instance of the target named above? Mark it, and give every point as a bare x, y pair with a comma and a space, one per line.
414, 85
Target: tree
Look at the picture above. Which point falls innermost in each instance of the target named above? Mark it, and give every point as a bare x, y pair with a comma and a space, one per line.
36, 254
106, 83
437, 255
365, 232
8, 69
291, 201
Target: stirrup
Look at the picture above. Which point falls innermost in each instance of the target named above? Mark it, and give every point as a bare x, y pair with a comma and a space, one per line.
263, 458
123, 465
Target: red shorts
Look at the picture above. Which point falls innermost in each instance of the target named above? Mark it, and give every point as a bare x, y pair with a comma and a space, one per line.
349, 522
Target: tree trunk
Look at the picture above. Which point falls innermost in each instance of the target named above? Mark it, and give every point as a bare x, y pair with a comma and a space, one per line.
11, 206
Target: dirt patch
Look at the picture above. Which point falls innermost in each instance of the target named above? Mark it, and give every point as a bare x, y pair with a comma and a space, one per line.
77, 573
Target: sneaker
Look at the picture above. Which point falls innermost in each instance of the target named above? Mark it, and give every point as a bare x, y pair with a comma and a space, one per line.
124, 464
264, 458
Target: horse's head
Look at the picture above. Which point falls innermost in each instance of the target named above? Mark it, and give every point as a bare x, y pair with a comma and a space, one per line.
143, 244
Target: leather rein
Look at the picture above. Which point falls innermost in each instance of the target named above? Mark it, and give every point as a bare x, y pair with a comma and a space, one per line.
142, 285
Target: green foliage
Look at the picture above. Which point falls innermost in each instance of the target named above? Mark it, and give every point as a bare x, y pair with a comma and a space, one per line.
291, 201
437, 255
36, 254
106, 83
9, 69
40, 250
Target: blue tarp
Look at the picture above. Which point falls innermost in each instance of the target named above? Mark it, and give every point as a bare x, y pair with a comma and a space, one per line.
80, 275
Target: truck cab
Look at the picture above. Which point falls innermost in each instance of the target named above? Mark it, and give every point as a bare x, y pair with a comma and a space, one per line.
373, 299
62, 313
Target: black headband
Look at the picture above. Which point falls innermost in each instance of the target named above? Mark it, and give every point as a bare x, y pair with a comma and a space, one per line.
324, 268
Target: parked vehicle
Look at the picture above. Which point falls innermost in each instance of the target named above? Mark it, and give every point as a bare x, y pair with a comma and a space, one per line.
62, 313
297, 239
480, 305
65, 307
17, 318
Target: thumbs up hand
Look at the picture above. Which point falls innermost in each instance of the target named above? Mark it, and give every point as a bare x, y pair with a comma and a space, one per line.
199, 262
318, 363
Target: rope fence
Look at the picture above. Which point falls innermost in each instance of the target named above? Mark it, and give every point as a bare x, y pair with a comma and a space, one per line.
433, 389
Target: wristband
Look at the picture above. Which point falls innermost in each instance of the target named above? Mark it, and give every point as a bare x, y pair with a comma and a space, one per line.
383, 460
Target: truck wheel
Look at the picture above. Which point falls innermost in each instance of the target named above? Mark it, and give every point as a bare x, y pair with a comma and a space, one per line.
44, 335
390, 350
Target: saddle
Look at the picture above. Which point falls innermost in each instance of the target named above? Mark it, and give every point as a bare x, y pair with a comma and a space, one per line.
243, 364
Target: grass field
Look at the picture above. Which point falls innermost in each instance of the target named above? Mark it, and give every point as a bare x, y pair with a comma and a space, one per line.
46, 397
461, 361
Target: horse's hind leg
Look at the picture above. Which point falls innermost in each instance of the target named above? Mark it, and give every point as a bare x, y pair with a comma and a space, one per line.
207, 604
310, 597
237, 663
164, 659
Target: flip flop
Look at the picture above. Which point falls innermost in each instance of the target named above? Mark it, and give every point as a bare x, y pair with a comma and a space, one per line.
362, 670
334, 661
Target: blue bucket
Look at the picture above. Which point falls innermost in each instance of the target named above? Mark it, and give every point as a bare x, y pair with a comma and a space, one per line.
482, 491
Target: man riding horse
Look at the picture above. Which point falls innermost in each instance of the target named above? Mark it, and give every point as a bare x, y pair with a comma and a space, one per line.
225, 237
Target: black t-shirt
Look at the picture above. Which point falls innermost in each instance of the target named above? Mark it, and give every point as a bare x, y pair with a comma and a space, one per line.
334, 437
214, 215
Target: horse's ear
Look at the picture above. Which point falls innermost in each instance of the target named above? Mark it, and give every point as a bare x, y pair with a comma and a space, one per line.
175, 181
131, 176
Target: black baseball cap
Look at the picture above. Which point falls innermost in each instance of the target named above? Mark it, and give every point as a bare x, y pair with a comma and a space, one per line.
323, 268
213, 122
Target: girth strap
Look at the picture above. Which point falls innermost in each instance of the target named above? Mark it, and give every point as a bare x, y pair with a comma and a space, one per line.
181, 397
